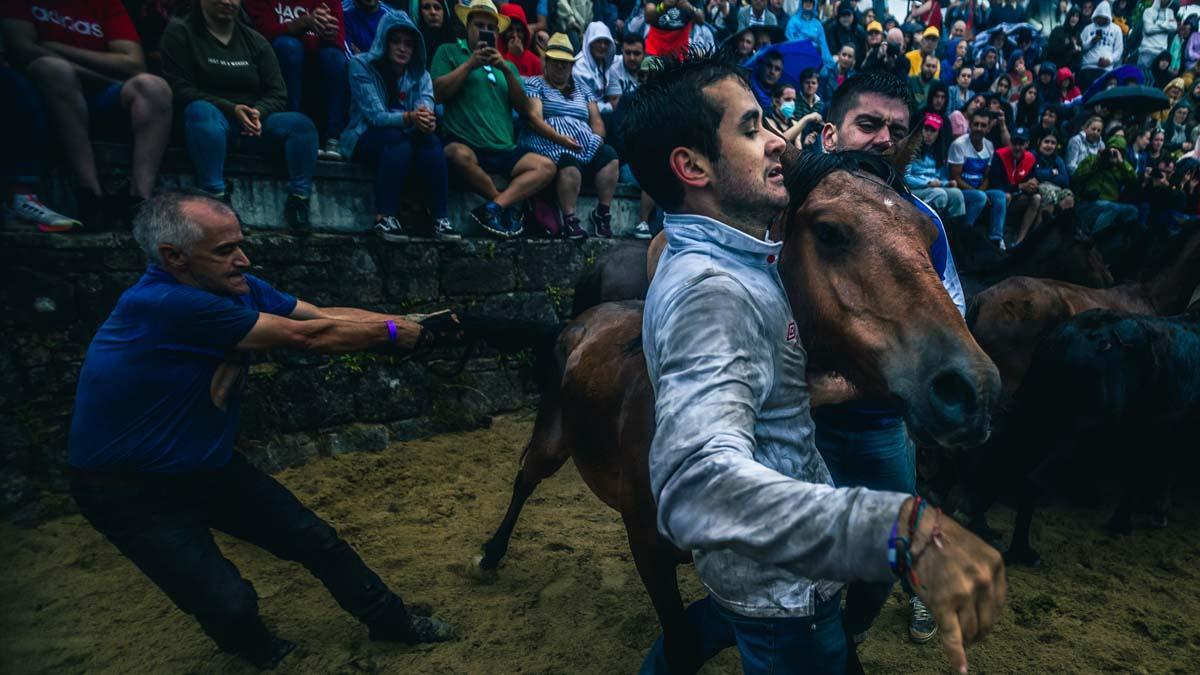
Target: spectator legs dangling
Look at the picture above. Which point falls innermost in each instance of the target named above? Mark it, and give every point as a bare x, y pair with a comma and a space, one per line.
147, 98
337, 92
207, 133
63, 94
290, 53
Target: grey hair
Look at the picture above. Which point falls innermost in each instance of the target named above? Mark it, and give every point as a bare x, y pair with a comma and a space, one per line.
161, 220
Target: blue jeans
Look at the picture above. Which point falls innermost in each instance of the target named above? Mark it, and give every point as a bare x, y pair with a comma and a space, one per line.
1102, 214
393, 153
878, 459
24, 119
803, 644
332, 66
163, 523
976, 199
209, 133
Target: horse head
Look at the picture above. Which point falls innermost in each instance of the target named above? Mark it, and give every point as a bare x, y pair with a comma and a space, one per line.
868, 301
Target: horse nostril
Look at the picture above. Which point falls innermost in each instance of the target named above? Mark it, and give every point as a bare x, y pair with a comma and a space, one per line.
953, 397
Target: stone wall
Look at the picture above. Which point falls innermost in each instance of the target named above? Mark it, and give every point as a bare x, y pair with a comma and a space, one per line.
57, 289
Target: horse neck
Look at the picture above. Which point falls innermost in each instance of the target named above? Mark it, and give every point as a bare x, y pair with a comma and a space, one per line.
1170, 290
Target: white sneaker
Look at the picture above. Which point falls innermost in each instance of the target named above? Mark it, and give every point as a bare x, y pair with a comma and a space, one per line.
330, 152
444, 231
642, 231
388, 228
29, 208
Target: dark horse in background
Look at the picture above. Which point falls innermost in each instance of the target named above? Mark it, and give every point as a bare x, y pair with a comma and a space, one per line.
1107, 393
896, 335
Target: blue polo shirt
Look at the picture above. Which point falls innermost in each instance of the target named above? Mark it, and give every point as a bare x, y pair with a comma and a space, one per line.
144, 401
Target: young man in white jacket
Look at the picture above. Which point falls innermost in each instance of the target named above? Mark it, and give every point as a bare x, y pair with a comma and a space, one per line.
1158, 25
1103, 45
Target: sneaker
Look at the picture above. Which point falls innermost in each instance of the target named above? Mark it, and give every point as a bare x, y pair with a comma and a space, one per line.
1000, 244
642, 231
29, 208
296, 213
443, 230
388, 228
921, 626
491, 218
571, 228
514, 221
330, 152
601, 223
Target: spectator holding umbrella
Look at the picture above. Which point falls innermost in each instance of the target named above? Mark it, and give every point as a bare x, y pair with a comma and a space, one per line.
392, 125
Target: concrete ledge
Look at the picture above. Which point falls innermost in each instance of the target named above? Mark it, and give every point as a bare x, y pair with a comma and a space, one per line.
343, 196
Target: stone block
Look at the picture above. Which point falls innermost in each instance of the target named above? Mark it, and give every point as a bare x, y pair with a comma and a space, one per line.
536, 306
354, 438
478, 275
407, 430
281, 452
389, 391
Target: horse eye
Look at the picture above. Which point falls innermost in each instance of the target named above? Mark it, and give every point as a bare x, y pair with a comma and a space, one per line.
830, 235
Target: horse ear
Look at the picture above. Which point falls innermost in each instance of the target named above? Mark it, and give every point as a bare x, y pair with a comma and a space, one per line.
905, 150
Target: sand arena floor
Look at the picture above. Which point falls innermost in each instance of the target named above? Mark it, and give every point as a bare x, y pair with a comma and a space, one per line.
568, 599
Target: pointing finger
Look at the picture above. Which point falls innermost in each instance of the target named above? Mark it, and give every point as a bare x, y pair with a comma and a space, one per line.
952, 642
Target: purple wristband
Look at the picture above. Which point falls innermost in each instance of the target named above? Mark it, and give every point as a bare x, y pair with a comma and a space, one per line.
391, 331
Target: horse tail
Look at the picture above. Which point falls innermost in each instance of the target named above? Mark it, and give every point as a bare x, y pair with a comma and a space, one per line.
514, 336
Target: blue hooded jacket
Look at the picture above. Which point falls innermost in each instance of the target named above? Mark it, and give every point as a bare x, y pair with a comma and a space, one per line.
368, 93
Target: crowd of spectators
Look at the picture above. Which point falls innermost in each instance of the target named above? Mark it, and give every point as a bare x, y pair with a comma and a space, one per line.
430, 93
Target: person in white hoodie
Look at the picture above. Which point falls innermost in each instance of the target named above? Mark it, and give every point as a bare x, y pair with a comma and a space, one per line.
1158, 25
593, 61
1103, 45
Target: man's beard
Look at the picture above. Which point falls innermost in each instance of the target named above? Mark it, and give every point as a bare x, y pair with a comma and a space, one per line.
745, 201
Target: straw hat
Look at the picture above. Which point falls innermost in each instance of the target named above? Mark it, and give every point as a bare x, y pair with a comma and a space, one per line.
559, 48
485, 6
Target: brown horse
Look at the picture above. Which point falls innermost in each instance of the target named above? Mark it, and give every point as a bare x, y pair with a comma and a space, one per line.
1009, 318
869, 305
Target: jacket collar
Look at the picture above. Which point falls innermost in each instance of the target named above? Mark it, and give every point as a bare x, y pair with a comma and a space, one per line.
688, 229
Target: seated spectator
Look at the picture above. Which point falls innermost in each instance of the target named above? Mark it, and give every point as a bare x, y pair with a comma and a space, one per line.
1103, 44
1137, 153
784, 118
480, 92
969, 158
767, 73
1063, 46
595, 58
565, 125
309, 34
436, 25
936, 100
1012, 170
516, 43
392, 126
842, 31
927, 175
1177, 133
1068, 94
228, 84
960, 92
361, 19
1174, 92
1001, 88
1085, 143
91, 73
1019, 76
875, 49
20, 169
1027, 110
956, 60
1047, 123
1047, 83
920, 84
960, 120
150, 19
1155, 152
670, 30
805, 25
623, 74
755, 14
1054, 182
536, 14
1100, 181
807, 101
842, 69
739, 47
928, 47
987, 70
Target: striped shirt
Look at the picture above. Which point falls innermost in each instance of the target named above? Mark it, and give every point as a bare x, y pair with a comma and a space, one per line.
567, 116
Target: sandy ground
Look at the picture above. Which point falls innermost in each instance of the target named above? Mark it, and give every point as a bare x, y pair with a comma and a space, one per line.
568, 599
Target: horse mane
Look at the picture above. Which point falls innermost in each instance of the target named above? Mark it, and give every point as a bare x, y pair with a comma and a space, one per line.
810, 168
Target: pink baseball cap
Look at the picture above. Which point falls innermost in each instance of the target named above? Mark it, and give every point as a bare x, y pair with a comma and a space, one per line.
933, 121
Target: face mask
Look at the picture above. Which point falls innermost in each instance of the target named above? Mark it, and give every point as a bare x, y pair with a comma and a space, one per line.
787, 109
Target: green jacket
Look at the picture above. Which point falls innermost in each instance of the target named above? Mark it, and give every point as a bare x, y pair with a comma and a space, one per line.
1093, 182
199, 68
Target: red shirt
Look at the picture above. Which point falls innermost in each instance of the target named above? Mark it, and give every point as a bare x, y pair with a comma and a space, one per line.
87, 24
271, 17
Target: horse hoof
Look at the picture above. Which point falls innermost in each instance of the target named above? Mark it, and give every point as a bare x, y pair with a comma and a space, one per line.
475, 570
1024, 557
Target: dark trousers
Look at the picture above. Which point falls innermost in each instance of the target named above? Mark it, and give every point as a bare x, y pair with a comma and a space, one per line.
163, 524
394, 154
